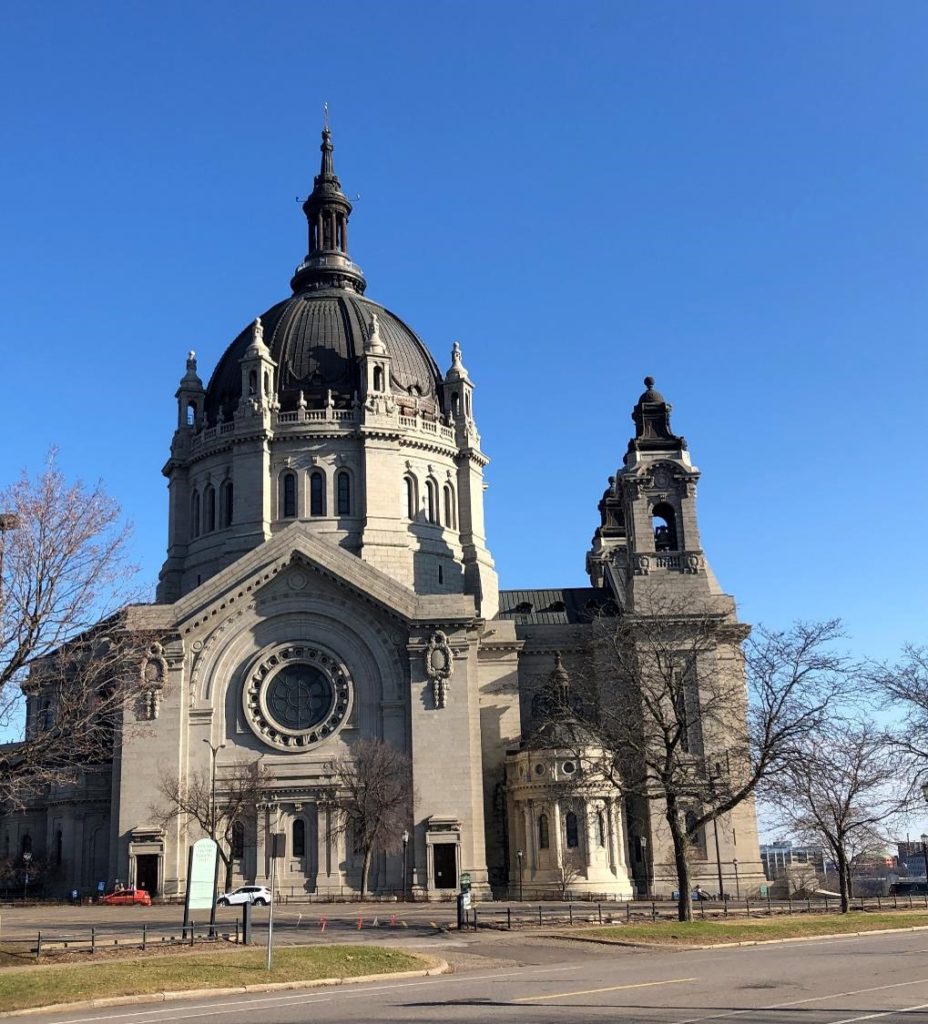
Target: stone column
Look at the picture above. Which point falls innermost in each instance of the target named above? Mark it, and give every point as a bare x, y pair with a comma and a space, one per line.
556, 829
530, 836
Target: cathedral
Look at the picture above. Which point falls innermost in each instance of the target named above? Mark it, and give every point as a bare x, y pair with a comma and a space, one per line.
329, 578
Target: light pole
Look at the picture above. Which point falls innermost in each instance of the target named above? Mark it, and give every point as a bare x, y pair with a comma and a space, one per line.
214, 750
925, 855
27, 860
718, 857
519, 857
405, 862
734, 863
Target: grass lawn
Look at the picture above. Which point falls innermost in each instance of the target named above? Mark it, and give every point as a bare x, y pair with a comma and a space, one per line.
64, 983
707, 932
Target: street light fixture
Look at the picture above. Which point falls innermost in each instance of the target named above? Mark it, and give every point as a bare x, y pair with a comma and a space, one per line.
405, 862
734, 862
520, 857
925, 855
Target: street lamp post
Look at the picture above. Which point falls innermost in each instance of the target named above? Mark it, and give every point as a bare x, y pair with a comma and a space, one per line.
405, 863
214, 750
520, 856
925, 855
734, 863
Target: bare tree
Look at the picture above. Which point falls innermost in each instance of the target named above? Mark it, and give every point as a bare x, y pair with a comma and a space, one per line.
665, 701
374, 799
239, 788
834, 788
905, 684
64, 572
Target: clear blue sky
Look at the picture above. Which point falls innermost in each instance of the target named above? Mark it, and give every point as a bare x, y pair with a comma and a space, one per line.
730, 196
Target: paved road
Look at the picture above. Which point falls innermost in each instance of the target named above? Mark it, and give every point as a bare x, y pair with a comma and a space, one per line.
843, 981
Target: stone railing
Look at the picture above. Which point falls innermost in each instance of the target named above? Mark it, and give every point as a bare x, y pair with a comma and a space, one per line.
668, 561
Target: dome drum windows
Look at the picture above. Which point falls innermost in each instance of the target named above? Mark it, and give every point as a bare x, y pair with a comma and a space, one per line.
317, 504
288, 508
343, 493
412, 496
431, 500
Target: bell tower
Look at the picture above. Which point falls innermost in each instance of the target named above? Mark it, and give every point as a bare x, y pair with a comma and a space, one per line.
648, 536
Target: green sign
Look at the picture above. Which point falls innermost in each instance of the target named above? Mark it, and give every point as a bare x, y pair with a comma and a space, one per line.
764, 890
201, 884
465, 880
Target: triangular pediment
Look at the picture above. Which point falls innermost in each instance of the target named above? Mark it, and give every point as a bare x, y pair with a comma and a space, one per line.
296, 545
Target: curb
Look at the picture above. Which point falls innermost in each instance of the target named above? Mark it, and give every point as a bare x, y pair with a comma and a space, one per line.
666, 946
437, 967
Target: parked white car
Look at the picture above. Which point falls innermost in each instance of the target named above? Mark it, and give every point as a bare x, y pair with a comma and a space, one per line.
258, 895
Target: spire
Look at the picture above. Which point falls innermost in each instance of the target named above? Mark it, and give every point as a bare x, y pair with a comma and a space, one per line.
652, 423
327, 210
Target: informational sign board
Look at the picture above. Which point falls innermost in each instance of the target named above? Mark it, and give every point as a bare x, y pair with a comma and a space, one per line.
101, 886
201, 881
465, 900
764, 890
465, 880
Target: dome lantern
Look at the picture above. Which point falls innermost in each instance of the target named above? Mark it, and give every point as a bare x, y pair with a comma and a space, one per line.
327, 209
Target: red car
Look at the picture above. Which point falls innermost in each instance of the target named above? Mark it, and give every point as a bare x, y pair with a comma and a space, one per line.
126, 897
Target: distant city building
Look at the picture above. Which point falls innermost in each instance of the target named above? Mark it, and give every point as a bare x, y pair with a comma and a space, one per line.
778, 857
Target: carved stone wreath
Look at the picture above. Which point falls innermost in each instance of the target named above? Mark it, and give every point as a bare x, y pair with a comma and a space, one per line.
439, 666
296, 696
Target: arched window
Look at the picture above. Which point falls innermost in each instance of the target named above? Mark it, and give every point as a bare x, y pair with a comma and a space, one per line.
343, 493
455, 404
378, 378
267, 384
601, 827
412, 497
573, 833
431, 490
544, 838
317, 493
59, 847
191, 414
664, 522
238, 840
288, 495
252, 383
26, 844
697, 837
299, 838
209, 497
195, 514
451, 518
467, 402
226, 503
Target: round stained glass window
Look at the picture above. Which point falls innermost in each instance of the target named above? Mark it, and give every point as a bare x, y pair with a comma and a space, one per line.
299, 697
296, 696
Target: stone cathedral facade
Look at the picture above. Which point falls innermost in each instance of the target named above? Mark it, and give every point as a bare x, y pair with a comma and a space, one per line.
328, 578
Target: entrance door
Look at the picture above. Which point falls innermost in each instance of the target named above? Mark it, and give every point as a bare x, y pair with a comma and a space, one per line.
146, 872
445, 865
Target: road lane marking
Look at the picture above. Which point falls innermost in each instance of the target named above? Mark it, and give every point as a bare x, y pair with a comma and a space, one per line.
592, 991
261, 999
801, 1002
885, 1013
